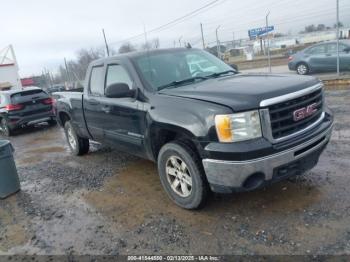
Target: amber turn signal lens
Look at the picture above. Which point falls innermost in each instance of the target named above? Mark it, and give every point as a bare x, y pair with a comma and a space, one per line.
223, 128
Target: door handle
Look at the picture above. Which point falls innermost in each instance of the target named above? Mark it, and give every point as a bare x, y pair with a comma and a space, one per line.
93, 102
106, 109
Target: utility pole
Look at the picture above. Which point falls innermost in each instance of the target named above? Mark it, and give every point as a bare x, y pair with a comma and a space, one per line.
233, 40
218, 42
202, 36
180, 40
67, 72
338, 59
104, 36
268, 41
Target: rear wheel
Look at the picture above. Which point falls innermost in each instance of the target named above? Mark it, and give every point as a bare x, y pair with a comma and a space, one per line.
182, 175
303, 69
5, 128
78, 145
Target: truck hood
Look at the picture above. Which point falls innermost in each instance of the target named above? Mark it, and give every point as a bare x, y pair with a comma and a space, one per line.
243, 91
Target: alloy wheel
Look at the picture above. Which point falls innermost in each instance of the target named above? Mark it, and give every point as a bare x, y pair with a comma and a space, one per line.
71, 138
179, 176
302, 69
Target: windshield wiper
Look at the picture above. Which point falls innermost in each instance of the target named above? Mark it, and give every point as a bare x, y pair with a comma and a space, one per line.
181, 82
221, 73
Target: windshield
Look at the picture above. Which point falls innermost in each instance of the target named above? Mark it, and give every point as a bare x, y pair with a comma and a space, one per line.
162, 69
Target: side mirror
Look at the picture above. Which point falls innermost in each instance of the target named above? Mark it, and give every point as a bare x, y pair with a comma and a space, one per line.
119, 90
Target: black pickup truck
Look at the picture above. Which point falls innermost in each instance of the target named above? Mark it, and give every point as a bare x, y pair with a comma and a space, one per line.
209, 128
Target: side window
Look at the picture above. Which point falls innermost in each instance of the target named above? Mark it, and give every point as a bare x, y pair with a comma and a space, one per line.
117, 74
318, 50
96, 81
332, 48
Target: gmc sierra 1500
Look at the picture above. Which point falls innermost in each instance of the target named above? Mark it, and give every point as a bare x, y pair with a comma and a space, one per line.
208, 127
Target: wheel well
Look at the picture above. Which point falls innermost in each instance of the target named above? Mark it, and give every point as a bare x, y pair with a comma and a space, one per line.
160, 137
302, 63
64, 117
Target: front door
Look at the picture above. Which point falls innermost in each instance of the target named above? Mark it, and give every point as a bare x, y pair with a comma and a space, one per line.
125, 115
344, 57
331, 57
318, 57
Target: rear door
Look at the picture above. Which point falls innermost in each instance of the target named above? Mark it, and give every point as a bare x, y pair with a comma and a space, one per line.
94, 116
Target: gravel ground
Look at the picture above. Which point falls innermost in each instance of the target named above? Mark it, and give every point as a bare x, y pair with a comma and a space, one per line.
110, 203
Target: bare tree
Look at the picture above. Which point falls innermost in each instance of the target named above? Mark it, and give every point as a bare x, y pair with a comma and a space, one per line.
321, 27
84, 58
156, 43
152, 44
126, 48
340, 25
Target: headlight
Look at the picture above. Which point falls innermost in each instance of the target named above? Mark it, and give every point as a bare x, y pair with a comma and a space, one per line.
238, 127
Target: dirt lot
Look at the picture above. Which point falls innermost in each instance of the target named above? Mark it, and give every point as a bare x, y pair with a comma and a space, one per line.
112, 203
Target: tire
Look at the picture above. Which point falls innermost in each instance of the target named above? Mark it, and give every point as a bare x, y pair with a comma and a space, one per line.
5, 128
303, 69
78, 145
191, 177
52, 122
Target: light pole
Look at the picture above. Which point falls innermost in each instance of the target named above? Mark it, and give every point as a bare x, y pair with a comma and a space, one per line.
218, 42
338, 60
233, 40
268, 41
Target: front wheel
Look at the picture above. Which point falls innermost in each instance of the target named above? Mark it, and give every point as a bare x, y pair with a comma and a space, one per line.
78, 145
182, 175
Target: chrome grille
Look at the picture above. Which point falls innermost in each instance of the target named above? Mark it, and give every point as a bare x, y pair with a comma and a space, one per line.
282, 114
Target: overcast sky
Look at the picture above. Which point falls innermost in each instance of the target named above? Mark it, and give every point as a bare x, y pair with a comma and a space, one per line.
43, 32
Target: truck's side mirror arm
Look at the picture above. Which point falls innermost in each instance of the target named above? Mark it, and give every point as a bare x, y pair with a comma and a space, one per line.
119, 90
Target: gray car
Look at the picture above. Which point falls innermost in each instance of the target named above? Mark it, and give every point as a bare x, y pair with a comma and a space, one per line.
321, 58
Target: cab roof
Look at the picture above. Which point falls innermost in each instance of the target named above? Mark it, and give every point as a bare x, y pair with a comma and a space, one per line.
137, 54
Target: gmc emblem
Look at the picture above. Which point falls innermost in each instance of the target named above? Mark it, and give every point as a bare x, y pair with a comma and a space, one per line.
304, 112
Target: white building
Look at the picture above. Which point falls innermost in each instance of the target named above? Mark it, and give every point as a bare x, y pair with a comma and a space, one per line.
9, 77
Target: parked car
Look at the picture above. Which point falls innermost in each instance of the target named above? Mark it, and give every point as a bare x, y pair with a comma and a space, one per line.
321, 58
56, 88
23, 107
220, 130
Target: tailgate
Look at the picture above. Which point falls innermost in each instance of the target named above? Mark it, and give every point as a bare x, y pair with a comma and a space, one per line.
32, 102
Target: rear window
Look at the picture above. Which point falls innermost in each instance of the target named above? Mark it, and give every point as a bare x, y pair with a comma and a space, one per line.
28, 95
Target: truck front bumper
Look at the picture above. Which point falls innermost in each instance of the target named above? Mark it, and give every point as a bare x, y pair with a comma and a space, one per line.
234, 176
